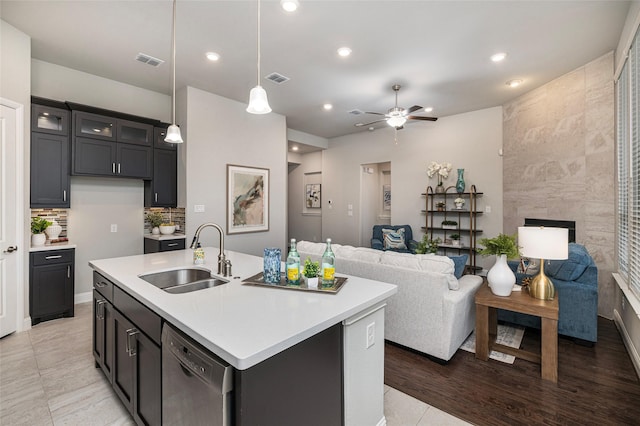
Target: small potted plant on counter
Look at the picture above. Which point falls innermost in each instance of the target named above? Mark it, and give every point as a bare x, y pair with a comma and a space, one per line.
455, 239
155, 219
38, 225
501, 278
310, 273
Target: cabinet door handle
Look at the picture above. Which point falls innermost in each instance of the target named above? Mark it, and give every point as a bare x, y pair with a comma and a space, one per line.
113, 168
101, 284
64, 195
130, 344
118, 168
53, 257
68, 271
100, 309
156, 197
172, 244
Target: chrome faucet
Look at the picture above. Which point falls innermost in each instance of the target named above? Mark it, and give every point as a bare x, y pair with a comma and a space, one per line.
224, 265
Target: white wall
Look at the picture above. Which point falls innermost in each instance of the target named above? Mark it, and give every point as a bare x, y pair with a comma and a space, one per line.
470, 141
221, 132
98, 202
304, 226
15, 68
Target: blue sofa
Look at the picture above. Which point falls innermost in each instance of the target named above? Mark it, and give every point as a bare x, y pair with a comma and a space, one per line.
377, 240
576, 284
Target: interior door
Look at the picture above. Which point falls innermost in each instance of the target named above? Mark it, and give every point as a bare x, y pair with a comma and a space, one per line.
10, 225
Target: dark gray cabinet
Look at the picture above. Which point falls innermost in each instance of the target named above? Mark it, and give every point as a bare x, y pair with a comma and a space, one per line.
107, 146
162, 189
152, 245
103, 334
50, 152
136, 360
51, 284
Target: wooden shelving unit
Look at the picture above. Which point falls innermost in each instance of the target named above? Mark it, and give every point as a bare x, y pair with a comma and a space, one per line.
466, 219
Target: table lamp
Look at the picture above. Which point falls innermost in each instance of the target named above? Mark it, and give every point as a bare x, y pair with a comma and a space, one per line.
543, 243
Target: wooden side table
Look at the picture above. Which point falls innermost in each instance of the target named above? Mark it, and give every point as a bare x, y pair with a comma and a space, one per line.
487, 326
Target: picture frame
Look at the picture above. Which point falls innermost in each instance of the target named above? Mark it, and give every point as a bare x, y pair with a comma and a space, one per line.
313, 195
247, 199
386, 197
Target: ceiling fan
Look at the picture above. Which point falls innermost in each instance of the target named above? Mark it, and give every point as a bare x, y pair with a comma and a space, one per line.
396, 116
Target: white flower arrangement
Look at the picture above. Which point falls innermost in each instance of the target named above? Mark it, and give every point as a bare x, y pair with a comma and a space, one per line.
441, 170
459, 200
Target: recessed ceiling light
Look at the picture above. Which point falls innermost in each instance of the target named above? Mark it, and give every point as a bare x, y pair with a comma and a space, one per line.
428, 109
498, 57
294, 148
213, 56
344, 52
514, 83
327, 106
289, 5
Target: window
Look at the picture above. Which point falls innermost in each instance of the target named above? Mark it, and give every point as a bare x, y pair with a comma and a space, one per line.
628, 149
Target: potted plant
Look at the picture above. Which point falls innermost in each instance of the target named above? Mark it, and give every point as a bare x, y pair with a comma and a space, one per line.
440, 206
449, 224
500, 277
38, 226
155, 219
310, 273
459, 202
455, 239
442, 171
428, 245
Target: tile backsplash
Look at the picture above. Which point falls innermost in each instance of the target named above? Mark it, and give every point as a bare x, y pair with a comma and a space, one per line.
59, 215
177, 216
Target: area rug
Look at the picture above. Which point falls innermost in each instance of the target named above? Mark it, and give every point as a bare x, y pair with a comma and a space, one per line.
507, 335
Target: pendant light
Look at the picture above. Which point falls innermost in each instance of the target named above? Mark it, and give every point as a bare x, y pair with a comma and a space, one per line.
258, 103
173, 131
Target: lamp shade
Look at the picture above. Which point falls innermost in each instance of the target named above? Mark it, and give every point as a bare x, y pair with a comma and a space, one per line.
396, 121
258, 103
173, 134
544, 243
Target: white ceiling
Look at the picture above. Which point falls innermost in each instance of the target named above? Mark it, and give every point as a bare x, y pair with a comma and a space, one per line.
438, 50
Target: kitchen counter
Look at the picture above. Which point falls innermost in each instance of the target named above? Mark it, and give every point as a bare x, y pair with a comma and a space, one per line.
55, 246
242, 324
163, 237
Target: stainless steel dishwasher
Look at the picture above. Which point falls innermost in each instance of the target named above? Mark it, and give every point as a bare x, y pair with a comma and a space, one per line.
196, 384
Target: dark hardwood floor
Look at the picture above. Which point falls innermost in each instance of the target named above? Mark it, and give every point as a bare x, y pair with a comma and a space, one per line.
596, 385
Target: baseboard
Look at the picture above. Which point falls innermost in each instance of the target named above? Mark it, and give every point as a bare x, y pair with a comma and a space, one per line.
382, 422
633, 352
83, 297
26, 324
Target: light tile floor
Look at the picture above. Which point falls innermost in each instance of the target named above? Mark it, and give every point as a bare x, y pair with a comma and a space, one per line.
48, 377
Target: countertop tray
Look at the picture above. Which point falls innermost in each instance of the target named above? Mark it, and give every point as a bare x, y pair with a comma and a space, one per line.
257, 279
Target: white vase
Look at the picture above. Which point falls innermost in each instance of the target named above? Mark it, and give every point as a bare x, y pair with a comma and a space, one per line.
38, 239
155, 230
53, 231
501, 278
311, 282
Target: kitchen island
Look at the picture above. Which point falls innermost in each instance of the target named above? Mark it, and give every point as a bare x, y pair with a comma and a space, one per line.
272, 335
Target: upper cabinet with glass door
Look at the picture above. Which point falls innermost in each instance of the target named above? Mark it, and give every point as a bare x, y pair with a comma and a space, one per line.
48, 119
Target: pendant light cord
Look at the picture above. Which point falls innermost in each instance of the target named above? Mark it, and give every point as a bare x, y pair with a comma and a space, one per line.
173, 63
258, 75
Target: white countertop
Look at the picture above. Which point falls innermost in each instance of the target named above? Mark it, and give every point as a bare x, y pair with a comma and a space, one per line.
56, 246
162, 237
242, 324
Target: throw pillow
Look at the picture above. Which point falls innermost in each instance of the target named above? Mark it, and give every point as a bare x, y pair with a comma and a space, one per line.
572, 268
459, 262
393, 239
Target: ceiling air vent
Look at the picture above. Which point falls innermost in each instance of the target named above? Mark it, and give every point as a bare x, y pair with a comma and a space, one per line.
149, 60
277, 78
356, 112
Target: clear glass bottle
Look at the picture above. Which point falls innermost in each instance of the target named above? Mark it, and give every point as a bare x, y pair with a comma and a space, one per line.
293, 265
328, 266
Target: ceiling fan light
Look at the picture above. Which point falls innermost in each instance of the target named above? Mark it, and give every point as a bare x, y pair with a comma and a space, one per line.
396, 121
173, 134
258, 102
289, 5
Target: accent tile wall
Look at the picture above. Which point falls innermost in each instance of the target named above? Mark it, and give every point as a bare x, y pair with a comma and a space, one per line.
59, 215
170, 215
559, 162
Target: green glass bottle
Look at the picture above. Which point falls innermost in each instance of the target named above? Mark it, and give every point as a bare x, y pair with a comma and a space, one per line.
328, 266
293, 265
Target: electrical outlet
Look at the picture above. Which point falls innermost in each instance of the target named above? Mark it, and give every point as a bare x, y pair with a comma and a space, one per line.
198, 208
487, 209
371, 334
114, 227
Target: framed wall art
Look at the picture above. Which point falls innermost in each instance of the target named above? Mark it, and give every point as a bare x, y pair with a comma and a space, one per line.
386, 197
312, 195
247, 199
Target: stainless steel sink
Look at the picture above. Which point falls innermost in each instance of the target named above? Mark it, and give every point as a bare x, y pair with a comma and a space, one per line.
175, 277
196, 285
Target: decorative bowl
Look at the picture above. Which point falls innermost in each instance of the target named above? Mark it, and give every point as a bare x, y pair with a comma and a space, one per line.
53, 231
167, 229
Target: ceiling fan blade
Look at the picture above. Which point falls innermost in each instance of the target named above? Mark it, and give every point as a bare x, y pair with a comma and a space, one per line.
413, 109
417, 117
374, 113
366, 124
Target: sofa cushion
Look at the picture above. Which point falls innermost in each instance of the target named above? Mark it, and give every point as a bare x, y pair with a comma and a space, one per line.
403, 260
367, 255
572, 268
435, 263
459, 263
393, 239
